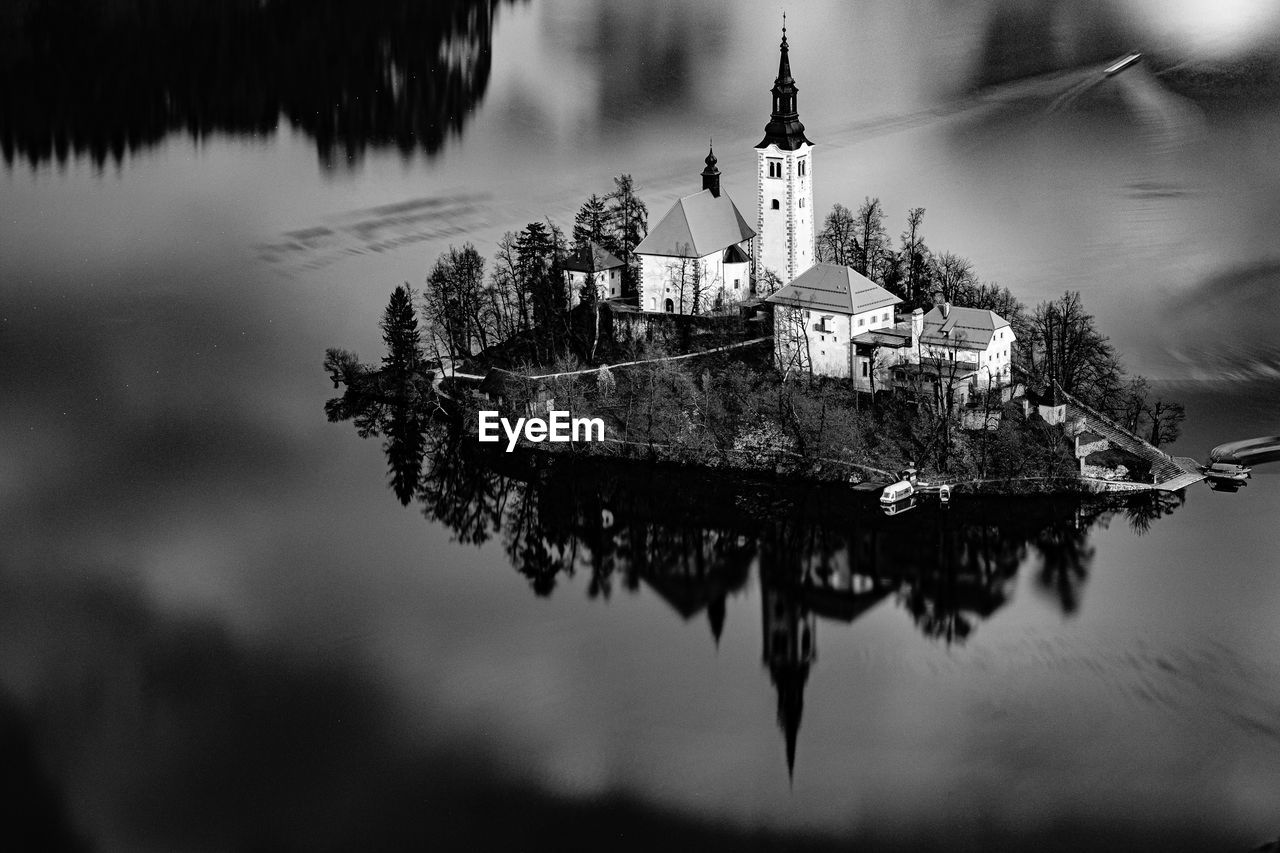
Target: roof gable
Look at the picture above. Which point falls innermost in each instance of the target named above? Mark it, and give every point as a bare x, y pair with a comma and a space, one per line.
592, 258
696, 226
832, 287
966, 327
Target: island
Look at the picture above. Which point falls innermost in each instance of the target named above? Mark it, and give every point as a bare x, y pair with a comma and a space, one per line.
767, 343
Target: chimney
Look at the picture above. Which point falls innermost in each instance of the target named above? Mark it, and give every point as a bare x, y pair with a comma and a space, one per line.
917, 326
946, 309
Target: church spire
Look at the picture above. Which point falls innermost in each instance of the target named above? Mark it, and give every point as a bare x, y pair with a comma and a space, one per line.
784, 128
711, 175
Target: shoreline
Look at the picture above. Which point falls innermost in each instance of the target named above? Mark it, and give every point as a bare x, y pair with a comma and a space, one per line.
774, 464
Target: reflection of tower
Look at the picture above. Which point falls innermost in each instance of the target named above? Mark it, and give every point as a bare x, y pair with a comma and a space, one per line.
789, 648
784, 183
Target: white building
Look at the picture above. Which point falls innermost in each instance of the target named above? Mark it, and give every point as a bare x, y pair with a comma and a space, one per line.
818, 316
594, 263
784, 184
979, 342
962, 350
697, 258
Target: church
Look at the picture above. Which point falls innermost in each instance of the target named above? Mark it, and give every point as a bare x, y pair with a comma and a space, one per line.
703, 255
830, 320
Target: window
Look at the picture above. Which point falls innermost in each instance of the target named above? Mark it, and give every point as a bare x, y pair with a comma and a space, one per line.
775, 168
802, 201
864, 370
862, 321
886, 316
775, 205
736, 283
800, 167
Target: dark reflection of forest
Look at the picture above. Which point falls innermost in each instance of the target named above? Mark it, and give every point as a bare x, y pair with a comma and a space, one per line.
102, 79
694, 538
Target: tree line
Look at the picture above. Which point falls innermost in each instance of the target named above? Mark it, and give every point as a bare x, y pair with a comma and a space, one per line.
521, 299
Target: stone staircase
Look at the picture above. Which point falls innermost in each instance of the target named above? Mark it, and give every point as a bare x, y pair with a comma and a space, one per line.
1169, 474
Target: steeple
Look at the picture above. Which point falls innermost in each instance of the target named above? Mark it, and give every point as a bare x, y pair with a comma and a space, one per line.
784, 128
711, 175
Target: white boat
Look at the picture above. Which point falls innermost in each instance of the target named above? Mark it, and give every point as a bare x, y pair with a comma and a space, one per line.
898, 507
1227, 472
898, 491
1115, 68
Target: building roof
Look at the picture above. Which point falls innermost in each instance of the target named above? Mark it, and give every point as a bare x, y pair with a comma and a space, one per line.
941, 367
832, 287
696, 226
967, 328
898, 335
735, 255
592, 258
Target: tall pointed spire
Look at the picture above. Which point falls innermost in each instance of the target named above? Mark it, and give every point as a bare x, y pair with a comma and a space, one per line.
784, 60
790, 682
784, 128
711, 175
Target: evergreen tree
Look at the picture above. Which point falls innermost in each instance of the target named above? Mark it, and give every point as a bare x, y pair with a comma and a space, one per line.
539, 258
628, 225
592, 224
401, 335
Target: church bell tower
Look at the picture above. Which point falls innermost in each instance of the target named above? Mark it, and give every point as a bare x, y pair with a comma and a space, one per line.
784, 183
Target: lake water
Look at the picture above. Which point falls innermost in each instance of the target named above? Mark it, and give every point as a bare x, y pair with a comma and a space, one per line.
221, 629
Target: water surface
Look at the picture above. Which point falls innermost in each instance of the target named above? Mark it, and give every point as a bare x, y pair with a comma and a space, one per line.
221, 630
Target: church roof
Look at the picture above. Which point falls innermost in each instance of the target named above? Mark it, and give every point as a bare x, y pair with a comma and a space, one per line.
696, 226
836, 288
592, 258
968, 328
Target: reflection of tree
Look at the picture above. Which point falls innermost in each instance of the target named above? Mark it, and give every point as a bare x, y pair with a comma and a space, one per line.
692, 538
1065, 555
1142, 511
102, 79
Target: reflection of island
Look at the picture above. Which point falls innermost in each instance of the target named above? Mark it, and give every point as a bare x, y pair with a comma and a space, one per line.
822, 553
104, 79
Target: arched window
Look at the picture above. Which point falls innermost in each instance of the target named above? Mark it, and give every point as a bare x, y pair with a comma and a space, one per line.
775, 205
671, 307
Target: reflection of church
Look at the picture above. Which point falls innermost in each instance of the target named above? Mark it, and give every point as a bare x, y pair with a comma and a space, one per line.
819, 554
790, 648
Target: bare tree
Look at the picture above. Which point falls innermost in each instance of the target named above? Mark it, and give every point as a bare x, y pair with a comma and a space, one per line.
915, 256
791, 332
455, 303
954, 276
1073, 353
872, 241
1166, 421
838, 239
768, 283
